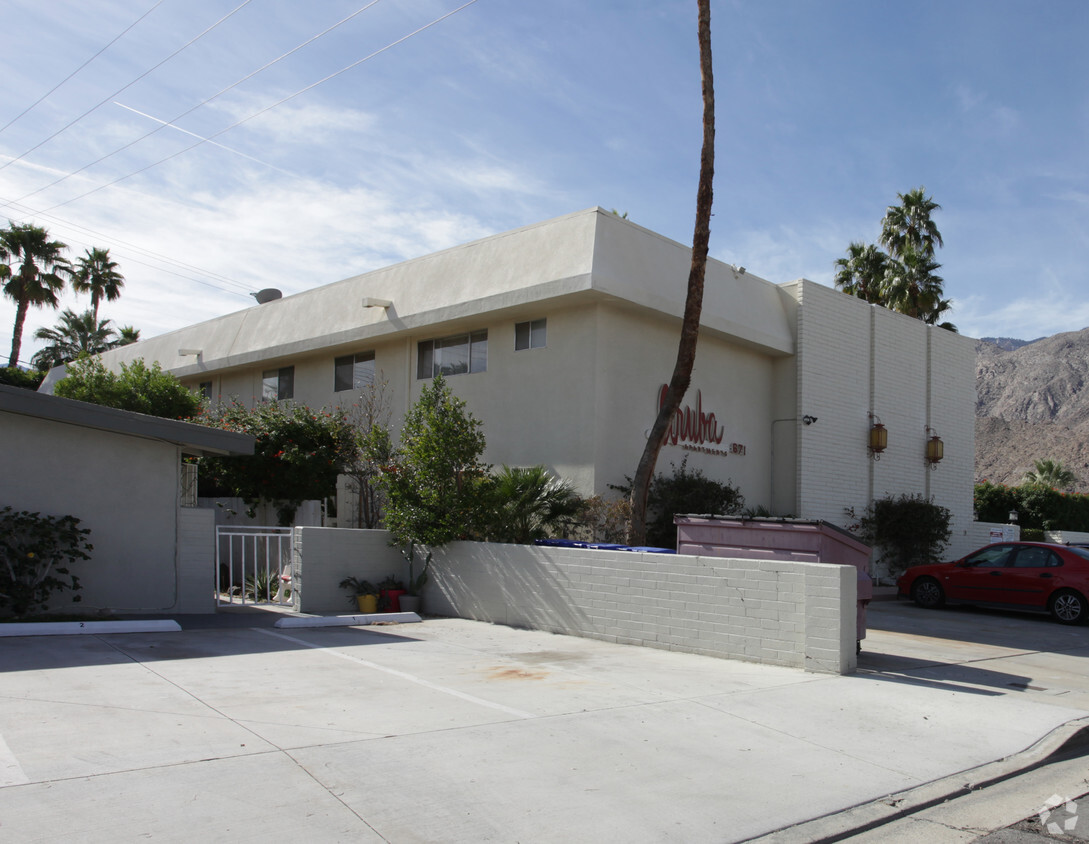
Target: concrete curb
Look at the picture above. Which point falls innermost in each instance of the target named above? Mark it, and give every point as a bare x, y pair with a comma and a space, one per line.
76, 628
1071, 737
347, 620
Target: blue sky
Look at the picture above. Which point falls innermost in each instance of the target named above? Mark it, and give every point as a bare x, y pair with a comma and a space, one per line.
511, 112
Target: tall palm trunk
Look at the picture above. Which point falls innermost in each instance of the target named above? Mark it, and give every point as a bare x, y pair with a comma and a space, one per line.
17, 335
693, 306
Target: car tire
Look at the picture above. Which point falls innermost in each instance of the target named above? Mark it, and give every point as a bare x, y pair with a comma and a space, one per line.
928, 593
1068, 607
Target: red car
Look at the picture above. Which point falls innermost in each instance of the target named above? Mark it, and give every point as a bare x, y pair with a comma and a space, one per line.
1035, 576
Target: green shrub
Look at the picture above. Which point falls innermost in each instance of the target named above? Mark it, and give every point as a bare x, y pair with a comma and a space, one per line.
28, 379
298, 453
686, 491
136, 388
35, 552
910, 530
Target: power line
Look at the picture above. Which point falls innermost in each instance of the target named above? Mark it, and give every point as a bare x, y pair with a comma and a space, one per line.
258, 113
188, 111
245, 289
129, 85
40, 99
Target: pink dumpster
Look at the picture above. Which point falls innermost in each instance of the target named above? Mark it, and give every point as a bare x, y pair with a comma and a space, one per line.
799, 540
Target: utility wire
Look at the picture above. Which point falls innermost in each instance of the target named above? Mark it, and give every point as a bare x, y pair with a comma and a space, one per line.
38, 101
129, 85
162, 259
263, 110
164, 124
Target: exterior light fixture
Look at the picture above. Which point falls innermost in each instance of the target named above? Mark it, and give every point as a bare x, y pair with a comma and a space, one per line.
808, 420
370, 302
879, 437
935, 448
1013, 517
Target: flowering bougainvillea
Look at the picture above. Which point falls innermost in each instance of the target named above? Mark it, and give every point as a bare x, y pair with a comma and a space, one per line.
298, 453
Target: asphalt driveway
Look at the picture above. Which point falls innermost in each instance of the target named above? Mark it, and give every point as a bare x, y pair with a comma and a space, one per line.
453, 730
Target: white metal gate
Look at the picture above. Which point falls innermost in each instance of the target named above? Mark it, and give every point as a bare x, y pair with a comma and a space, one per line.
253, 565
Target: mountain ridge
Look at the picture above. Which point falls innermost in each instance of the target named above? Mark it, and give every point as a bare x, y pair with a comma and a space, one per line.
1032, 403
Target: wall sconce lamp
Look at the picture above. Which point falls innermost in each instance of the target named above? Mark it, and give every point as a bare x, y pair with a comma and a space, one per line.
879, 437
935, 448
808, 420
370, 302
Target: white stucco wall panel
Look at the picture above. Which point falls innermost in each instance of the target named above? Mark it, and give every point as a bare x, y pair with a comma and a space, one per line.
124, 489
647, 269
636, 355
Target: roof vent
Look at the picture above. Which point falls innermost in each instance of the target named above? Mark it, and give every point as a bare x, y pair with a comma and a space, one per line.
269, 294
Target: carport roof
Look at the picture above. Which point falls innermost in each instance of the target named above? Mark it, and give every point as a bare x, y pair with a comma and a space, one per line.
193, 438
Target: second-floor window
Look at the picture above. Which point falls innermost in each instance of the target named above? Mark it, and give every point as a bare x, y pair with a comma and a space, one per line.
529, 335
278, 384
454, 355
353, 372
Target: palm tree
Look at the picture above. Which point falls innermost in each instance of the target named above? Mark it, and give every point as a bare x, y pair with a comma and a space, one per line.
96, 274
1051, 473
526, 504
912, 286
693, 303
908, 227
126, 335
39, 278
74, 335
862, 272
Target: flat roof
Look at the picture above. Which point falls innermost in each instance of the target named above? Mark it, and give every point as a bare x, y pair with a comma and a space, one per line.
198, 439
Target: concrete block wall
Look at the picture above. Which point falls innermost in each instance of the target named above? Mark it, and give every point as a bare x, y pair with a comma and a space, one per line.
800, 615
196, 560
322, 557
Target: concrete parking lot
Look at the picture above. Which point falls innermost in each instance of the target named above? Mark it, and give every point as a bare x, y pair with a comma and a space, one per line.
452, 730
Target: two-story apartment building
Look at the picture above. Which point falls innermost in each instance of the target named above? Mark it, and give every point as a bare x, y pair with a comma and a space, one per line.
560, 335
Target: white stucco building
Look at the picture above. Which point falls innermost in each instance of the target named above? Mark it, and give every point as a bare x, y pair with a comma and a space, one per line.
560, 335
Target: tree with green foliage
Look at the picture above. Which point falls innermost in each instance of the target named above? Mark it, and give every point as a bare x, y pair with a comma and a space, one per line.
37, 280
910, 530
433, 479
525, 504
686, 491
96, 274
135, 388
1051, 473
26, 379
903, 279
74, 335
298, 453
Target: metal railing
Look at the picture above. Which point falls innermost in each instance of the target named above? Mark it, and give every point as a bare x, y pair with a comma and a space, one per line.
253, 565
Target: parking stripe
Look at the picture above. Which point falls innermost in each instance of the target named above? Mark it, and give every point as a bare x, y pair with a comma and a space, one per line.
517, 713
11, 772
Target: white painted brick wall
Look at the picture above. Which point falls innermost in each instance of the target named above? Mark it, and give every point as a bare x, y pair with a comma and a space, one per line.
795, 614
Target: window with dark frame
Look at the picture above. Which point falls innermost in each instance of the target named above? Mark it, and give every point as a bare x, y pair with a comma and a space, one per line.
353, 372
205, 390
455, 355
530, 335
278, 384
